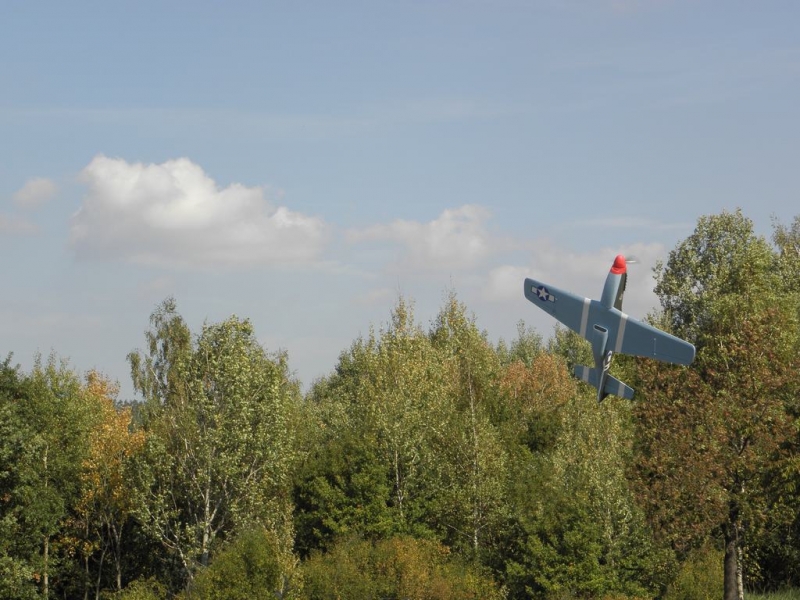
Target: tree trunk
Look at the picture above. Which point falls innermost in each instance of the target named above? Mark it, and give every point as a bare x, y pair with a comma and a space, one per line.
476, 512
731, 586
733, 555
46, 548
86, 568
99, 574
206, 526
739, 571
45, 574
204, 549
116, 533
87, 577
398, 483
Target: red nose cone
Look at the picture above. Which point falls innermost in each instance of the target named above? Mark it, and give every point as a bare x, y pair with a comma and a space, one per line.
619, 266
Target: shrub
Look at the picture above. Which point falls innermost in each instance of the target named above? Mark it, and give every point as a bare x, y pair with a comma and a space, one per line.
400, 567
700, 577
142, 589
252, 567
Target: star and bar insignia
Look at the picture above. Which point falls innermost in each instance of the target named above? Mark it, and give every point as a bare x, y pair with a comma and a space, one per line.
544, 294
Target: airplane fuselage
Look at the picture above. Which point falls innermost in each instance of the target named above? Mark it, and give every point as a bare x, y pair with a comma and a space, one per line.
610, 299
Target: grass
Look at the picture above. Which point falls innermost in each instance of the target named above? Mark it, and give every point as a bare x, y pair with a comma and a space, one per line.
788, 594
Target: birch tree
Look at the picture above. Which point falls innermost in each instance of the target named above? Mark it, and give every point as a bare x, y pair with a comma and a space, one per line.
472, 500
219, 444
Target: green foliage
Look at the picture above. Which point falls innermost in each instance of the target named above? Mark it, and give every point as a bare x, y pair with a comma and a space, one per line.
773, 550
699, 578
374, 417
219, 446
52, 422
572, 347
584, 534
142, 589
249, 568
471, 505
400, 567
787, 242
342, 488
16, 546
532, 397
708, 433
722, 257
157, 375
52, 441
527, 346
408, 439
504, 464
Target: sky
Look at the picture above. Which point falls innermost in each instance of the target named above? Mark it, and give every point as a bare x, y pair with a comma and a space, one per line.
305, 164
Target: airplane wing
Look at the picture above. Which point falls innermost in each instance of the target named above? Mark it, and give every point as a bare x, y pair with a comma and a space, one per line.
572, 310
640, 339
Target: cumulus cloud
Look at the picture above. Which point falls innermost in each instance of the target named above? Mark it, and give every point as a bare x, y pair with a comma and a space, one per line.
457, 239
35, 193
582, 273
174, 214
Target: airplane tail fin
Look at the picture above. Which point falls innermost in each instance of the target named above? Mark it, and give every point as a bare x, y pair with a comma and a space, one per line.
612, 384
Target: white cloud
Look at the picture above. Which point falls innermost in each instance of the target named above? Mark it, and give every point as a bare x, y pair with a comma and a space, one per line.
13, 225
35, 193
505, 283
174, 214
457, 239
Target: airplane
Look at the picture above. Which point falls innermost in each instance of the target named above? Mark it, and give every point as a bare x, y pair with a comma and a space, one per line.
608, 329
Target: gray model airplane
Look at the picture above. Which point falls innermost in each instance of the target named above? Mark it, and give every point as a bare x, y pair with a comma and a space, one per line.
608, 329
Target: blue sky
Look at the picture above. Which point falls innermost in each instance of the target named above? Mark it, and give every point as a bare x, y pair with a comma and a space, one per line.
301, 164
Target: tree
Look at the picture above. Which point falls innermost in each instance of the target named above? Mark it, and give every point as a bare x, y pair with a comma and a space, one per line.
406, 442
580, 531
59, 487
471, 502
571, 347
775, 550
104, 506
53, 467
371, 468
17, 549
524, 349
45, 421
218, 445
708, 432
533, 397
787, 242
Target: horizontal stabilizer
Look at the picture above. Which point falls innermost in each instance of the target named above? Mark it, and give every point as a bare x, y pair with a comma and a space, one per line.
612, 384
616, 387
586, 375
